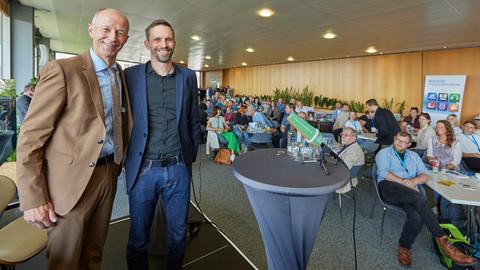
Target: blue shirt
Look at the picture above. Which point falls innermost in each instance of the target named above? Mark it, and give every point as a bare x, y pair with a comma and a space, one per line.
281, 107
260, 117
387, 161
103, 77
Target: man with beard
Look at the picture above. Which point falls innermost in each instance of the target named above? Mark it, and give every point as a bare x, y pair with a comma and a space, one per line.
71, 146
164, 143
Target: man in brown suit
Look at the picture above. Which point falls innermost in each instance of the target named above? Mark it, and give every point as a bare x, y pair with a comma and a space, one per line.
71, 146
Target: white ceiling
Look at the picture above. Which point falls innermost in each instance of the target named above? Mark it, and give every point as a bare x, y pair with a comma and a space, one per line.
228, 27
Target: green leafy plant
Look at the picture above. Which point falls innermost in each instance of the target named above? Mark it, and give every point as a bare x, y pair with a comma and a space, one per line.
356, 106
401, 107
388, 104
7, 88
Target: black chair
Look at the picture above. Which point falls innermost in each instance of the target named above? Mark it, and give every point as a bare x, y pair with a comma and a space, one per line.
353, 174
382, 202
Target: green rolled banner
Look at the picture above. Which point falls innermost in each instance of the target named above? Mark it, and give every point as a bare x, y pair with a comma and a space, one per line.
311, 134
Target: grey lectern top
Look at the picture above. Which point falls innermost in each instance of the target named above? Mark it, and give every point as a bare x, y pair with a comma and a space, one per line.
273, 170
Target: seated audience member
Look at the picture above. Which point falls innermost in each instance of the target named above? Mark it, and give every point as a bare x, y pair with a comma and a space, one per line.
351, 153
411, 120
218, 133
209, 106
470, 144
399, 171
273, 113
299, 107
257, 105
453, 120
342, 118
365, 120
444, 147
229, 116
476, 120
353, 123
240, 127
259, 117
279, 140
281, 105
425, 133
383, 123
336, 111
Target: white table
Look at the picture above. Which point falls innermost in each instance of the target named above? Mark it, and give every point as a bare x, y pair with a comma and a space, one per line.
368, 136
465, 191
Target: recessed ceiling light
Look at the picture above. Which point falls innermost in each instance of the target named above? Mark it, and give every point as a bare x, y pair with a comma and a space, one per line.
244, 63
250, 49
195, 37
206, 66
329, 35
208, 57
381, 52
265, 12
290, 58
181, 62
444, 47
371, 49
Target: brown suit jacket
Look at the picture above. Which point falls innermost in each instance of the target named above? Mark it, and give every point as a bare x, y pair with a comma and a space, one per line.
60, 136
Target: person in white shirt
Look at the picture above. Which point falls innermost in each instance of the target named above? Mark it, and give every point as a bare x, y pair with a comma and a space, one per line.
470, 144
342, 118
453, 119
425, 133
353, 123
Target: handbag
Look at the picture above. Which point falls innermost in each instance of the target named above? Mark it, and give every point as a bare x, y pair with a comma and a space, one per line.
223, 157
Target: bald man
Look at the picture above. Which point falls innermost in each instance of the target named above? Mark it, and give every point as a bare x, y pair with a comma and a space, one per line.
71, 146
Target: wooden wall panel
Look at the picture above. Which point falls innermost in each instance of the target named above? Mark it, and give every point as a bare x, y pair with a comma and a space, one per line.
395, 76
458, 62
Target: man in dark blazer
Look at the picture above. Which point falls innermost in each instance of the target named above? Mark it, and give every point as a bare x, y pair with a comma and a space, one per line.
71, 146
163, 146
384, 122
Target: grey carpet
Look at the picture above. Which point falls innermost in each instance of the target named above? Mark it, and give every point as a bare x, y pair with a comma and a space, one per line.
223, 199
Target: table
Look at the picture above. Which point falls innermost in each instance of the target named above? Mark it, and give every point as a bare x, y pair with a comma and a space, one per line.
367, 136
288, 199
466, 191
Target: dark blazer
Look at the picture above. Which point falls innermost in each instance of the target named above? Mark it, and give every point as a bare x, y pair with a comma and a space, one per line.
386, 125
187, 118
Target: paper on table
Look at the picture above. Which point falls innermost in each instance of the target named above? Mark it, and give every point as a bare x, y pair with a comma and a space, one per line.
446, 182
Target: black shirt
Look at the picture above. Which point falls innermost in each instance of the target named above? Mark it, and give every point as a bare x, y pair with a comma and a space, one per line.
163, 139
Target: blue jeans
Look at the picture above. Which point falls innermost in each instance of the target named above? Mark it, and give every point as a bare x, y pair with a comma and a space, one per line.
172, 184
242, 136
368, 145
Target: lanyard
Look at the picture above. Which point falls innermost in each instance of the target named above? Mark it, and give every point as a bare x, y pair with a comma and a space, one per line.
402, 162
473, 140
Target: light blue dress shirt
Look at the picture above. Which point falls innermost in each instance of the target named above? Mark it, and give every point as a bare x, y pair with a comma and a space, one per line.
386, 161
261, 118
103, 77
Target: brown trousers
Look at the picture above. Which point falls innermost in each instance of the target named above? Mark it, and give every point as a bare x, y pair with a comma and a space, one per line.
77, 240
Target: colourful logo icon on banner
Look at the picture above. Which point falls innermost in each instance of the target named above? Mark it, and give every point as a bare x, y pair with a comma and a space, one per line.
432, 96
442, 96
454, 98
431, 105
453, 107
442, 106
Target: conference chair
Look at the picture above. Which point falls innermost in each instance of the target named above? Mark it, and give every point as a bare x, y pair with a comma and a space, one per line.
19, 241
392, 207
353, 174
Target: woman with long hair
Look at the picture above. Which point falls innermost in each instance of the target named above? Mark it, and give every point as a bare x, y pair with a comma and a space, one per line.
218, 132
444, 147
